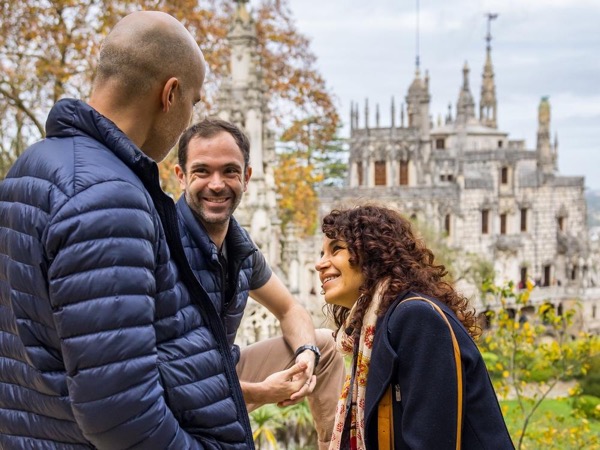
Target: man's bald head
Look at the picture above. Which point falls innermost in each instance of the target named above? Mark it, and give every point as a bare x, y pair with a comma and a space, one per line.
143, 50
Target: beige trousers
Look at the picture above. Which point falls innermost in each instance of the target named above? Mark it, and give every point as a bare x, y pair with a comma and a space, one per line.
258, 361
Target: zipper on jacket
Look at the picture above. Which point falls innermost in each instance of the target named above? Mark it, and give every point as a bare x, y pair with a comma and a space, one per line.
223, 289
226, 300
397, 395
168, 215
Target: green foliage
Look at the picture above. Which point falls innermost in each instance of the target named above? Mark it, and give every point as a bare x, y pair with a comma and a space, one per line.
590, 380
290, 427
331, 162
532, 354
588, 405
555, 425
298, 430
265, 421
539, 374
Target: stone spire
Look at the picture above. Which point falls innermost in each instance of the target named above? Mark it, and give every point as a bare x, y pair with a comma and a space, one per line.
546, 157
487, 104
243, 42
465, 107
401, 115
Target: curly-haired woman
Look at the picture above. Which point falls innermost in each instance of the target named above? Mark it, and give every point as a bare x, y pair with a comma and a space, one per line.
395, 313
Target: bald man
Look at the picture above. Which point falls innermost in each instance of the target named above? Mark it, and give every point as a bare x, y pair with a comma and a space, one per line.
102, 344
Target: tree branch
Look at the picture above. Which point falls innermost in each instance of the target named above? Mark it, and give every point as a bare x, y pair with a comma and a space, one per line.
16, 101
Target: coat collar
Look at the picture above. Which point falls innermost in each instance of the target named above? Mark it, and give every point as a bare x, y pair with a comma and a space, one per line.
237, 239
70, 117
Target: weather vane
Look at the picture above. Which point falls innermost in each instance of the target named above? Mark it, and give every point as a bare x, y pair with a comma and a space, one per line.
490, 17
418, 50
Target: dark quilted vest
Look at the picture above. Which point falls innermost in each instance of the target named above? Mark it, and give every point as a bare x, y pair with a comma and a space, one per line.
203, 256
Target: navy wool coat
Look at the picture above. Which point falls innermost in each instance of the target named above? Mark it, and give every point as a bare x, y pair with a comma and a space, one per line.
412, 351
107, 340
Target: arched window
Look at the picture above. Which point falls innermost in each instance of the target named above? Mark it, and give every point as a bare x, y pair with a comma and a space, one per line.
504, 175
403, 173
485, 221
380, 175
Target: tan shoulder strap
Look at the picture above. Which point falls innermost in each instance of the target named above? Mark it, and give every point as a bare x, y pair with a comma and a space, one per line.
385, 423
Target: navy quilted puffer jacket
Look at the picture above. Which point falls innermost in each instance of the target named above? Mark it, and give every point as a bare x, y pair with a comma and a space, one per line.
203, 256
101, 342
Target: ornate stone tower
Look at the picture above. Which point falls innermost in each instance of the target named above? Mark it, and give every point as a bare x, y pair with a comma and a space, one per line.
487, 104
243, 101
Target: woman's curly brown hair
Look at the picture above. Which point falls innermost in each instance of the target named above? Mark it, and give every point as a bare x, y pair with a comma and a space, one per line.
382, 243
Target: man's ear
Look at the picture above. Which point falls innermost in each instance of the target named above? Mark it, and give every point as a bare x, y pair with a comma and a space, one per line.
180, 176
168, 94
247, 176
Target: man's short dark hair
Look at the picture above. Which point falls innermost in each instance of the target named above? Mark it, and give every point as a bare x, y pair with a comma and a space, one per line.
207, 129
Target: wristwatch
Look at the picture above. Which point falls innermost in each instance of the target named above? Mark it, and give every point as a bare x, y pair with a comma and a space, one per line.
312, 348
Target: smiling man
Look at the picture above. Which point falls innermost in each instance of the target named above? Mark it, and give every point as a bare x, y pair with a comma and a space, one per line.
214, 171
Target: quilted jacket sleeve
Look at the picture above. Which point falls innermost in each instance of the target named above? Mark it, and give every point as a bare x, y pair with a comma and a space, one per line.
426, 375
101, 245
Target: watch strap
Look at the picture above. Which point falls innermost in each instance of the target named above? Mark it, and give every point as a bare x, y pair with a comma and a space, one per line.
312, 348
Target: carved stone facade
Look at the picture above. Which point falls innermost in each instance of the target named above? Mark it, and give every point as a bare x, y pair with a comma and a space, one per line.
489, 194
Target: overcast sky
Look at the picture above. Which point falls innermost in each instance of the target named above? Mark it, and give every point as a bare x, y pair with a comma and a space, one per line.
366, 49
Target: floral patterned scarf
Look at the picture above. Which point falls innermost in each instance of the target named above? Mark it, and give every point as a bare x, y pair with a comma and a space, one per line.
350, 410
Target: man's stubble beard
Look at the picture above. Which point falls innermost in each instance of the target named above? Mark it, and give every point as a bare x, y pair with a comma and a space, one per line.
199, 211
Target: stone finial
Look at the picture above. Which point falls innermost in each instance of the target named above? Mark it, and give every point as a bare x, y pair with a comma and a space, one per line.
402, 115
546, 158
465, 107
544, 112
449, 115
466, 71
